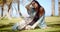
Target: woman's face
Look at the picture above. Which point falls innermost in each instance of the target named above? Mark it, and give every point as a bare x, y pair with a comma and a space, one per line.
34, 4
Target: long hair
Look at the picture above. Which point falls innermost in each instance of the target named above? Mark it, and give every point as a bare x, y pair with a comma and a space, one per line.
37, 3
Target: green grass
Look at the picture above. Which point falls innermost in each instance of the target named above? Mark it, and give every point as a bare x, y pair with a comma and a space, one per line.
53, 22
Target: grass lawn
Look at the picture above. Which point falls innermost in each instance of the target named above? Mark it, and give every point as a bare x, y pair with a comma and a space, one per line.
53, 22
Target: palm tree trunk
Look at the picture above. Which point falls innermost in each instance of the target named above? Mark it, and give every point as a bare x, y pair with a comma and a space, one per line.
2, 8
53, 8
2, 12
59, 7
9, 11
19, 8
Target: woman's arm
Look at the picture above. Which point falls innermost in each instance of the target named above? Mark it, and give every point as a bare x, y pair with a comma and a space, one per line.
28, 6
41, 11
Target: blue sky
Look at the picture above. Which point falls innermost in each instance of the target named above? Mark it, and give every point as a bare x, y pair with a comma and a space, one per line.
46, 4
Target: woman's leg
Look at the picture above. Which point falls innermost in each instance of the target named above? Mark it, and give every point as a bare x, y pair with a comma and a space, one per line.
42, 23
15, 26
19, 25
34, 25
37, 23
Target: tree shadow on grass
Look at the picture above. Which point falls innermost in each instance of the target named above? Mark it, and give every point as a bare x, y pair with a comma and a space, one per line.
8, 30
55, 25
8, 25
4, 28
54, 31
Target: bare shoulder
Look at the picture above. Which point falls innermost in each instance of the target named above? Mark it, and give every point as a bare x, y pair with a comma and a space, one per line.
41, 8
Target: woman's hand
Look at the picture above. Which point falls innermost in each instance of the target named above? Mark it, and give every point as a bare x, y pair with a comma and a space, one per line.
28, 27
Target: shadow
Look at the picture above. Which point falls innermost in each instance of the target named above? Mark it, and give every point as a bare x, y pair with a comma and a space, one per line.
37, 27
8, 30
4, 26
54, 25
54, 31
4, 18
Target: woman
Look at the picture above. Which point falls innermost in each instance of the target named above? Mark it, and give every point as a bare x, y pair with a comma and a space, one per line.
38, 18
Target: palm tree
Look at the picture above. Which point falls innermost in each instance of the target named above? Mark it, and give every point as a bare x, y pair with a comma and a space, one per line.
59, 7
18, 7
9, 3
2, 2
53, 8
1, 6
18, 3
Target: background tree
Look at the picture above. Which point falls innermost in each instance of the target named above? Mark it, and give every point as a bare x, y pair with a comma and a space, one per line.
2, 2
9, 3
59, 7
53, 8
